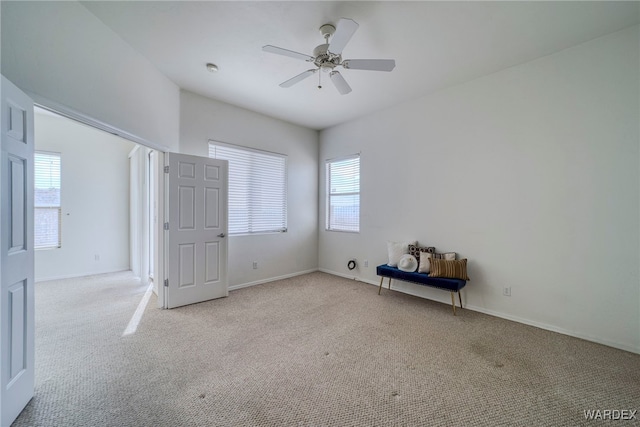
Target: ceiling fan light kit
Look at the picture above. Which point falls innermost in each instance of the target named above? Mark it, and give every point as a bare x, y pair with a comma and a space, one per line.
328, 56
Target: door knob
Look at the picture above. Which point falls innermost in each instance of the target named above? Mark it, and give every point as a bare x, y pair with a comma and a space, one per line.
221, 235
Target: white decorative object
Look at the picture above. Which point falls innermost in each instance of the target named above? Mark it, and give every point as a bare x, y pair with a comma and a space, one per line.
408, 263
425, 262
396, 250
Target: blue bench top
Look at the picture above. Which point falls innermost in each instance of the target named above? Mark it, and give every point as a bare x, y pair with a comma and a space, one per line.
420, 278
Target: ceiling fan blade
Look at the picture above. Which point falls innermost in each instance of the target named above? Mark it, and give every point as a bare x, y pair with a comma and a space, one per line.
369, 64
286, 52
339, 82
344, 31
298, 78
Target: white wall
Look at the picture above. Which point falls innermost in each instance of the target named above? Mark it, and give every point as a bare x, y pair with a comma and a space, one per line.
63, 54
279, 254
95, 199
531, 173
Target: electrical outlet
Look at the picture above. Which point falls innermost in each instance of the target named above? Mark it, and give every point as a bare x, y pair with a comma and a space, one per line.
96, 257
366, 263
506, 291
255, 265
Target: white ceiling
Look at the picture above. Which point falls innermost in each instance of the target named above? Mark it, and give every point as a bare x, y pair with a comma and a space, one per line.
435, 45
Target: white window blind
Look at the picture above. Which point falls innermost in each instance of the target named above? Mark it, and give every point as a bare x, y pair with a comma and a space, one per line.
47, 210
343, 194
257, 188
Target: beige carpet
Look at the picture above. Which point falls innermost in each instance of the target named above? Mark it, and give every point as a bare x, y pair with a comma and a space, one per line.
314, 350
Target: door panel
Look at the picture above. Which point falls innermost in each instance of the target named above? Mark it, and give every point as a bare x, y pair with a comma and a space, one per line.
17, 200
211, 173
187, 264
16, 254
187, 207
211, 217
212, 254
17, 308
195, 243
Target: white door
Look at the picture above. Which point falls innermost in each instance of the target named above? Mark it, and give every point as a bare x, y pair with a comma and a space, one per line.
196, 241
16, 253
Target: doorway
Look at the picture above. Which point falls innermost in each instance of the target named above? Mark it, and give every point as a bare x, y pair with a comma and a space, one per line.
104, 216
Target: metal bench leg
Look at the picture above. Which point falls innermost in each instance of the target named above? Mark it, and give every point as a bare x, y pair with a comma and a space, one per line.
453, 303
389, 283
380, 288
460, 297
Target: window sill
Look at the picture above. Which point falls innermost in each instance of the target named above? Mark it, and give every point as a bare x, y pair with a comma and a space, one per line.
342, 231
260, 233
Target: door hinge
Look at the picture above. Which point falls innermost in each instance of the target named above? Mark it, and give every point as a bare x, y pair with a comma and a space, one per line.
166, 169
166, 225
166, 283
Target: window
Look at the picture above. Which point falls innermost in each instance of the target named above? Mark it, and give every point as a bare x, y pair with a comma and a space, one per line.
257, 188
47, 211
343, 194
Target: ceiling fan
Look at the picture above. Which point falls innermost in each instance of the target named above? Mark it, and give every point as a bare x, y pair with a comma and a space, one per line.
328, 56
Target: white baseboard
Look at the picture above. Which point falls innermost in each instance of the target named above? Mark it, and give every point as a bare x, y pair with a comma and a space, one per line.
271, 279
553, 328
504, 316
76, 275
349, 276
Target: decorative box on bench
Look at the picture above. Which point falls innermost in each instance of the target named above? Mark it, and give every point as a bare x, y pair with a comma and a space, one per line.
452, 285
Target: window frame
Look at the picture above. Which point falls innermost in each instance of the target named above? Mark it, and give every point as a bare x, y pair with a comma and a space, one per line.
283, 228
328, 223
58, 245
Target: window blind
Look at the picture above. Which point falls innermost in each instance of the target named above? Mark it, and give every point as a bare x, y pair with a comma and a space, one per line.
343, 194
257, 188
47, 207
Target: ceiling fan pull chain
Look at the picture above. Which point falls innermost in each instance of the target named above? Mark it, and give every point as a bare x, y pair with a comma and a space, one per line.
319, 80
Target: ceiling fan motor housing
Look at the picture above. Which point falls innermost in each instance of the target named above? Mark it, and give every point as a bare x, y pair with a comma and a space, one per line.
325, 59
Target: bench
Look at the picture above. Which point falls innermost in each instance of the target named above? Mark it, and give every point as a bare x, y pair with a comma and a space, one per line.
452, 285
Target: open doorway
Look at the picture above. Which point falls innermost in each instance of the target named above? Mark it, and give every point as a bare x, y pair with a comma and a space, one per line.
102, 220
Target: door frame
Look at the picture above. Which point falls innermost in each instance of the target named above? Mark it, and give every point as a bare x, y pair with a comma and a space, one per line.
158, 234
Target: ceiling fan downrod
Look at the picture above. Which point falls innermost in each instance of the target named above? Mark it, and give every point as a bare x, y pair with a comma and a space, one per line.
327, 31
